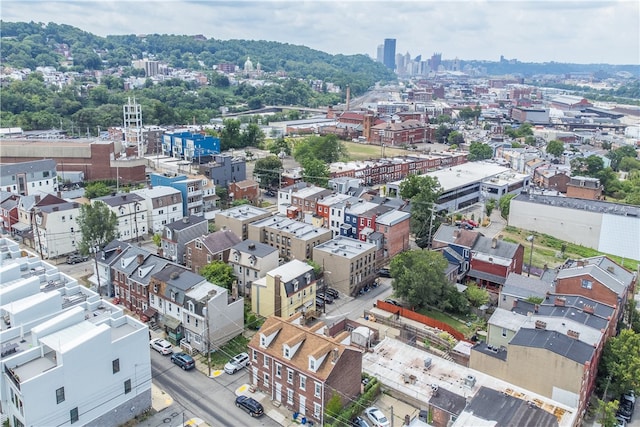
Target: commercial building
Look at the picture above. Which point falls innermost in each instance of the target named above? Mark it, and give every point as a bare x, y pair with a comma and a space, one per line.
389, 53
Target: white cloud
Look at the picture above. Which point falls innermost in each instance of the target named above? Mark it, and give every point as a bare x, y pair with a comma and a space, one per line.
537, 31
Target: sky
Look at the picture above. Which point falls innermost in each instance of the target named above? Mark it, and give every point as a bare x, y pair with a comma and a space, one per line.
583, 32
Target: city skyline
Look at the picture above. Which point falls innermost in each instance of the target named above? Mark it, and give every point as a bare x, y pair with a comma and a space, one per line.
544, 31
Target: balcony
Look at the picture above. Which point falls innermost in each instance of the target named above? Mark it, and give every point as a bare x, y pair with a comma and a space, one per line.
194, 193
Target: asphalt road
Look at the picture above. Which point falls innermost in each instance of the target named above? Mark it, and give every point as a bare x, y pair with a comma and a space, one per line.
197, 396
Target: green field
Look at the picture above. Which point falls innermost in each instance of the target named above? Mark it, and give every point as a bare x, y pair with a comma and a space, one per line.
359, 151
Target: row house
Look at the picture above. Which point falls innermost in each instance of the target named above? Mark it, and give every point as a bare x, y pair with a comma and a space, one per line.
175, 236
330, 211
292, 239
600, 279
551, 178
131, 212
164, 206
104, 273
213, 247
303, 202
285, 291
355, 218
56, 230
33, 177
189, 146
210, 317
395, 228
8, 210
238, 218
303, 368
251, 260
492, 260
27, 206
351, 263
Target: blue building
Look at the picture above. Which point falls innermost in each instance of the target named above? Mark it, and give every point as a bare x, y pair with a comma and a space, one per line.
191, 189
193, 147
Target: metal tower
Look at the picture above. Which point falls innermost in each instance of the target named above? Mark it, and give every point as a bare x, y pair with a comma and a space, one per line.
132, 112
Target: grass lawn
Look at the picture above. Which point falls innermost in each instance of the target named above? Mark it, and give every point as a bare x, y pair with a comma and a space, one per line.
359, 151
230, 349
548, 250
445, 318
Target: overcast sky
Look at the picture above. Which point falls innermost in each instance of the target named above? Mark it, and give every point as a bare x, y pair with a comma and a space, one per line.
531, 31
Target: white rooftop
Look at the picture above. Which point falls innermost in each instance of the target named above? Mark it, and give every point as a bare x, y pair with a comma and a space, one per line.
291, 270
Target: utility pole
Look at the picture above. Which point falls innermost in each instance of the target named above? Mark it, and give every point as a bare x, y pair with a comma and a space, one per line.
432, 209
208, 335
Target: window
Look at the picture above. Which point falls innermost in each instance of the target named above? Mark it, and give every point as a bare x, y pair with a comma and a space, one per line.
115, 366
317, 408
587, 284
303, 382
73, 415
278, 370
290, 376
127, 386
266, 379
255, 355
290, 396
266, 362
312, 364
287, 352
317, 389
60, 395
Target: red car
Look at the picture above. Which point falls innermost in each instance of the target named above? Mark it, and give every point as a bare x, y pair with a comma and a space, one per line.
472, 223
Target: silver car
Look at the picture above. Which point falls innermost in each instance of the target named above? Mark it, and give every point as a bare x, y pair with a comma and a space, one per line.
236, 363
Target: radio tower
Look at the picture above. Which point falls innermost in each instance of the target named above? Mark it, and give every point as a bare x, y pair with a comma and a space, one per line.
132, 112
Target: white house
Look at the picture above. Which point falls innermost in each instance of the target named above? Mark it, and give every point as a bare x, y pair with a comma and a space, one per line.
37, 176
209, 315
56, 230
251, 261
61, 335
131, 210
164, 206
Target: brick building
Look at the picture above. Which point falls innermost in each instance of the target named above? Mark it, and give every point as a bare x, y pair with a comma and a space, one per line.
247, 189
212, 247
303, 368
584, 187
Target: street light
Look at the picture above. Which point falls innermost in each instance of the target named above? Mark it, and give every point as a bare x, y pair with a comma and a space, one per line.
530, 239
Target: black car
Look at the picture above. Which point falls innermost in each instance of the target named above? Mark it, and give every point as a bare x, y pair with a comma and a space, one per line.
319, 302
183, 360
384, 272
625, 411
359, 422
326, 297
332, 292
270, 193
249, 404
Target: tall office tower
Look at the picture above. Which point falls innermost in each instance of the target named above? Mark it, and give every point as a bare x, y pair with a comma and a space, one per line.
390, 53
380, 53
400, 63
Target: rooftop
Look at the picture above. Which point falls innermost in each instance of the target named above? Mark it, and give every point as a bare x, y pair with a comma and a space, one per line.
345, 246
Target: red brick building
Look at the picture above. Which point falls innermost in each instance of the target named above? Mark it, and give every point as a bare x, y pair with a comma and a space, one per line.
584, 187
303, 368
247, 189
395, 134
206, 249
492, 260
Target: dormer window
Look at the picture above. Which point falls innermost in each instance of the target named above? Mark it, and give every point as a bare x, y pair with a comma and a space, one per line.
263, 341
286, 351
192, 307
173, 296
312, 364
295, 286
307, 277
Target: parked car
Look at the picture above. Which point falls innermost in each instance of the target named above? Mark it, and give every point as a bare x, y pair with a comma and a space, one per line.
270, 193
376, 416
630, 397
620, 422
359, 422
392, 301
384, 272
625, 411
319, 302
472, 223
326, 297
334, 294
76, 258
163, 347
183, 360
249, 404
236, 363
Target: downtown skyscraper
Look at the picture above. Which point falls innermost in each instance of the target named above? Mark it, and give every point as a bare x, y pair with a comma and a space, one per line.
389, 58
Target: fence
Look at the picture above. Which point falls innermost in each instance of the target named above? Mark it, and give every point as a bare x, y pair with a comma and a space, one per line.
421, 318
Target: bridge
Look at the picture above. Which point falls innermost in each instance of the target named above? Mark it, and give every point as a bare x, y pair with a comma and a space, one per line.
276, 109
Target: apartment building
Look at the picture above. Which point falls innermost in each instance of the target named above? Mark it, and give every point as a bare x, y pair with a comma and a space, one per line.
303, 368
192, 190
292, 239
131, 212
351, 263
251, 260
31, 177
56, 334
164, 206
56, 230
285, 291
394, 226
238, 218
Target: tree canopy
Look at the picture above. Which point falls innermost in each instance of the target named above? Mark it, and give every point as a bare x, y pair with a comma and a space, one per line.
218, 273
479, 151
98, 225
555, 148
418, 277
328, 149
267, 172
422, 191
620, 363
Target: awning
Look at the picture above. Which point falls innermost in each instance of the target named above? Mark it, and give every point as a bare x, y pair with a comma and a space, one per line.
150, 312
21, 226
171, 322
494, 278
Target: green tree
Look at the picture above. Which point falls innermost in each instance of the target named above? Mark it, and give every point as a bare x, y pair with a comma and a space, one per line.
607, 413
479, 151
422, 191
334, 405
219, 273
620, 363
280, 145
555, 148
328, 149
316, 172
489, 206
620, 153
455, 137
267, 172
476, 295
628, 164
504, 203
230, 136
98, 226
418, 277
589, 166
96, 189
157, 239
252, 136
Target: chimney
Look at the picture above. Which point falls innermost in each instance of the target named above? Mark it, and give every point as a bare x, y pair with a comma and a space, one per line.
334, 355
573, 334
119, 250
559, 302
515, 303
541, 325
494, 243
588, 309
140, 259
185, 220
252, 246
610, 269
536, 308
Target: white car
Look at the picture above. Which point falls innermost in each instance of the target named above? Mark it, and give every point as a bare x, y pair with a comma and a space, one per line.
236, 363
163, 347
376, 416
